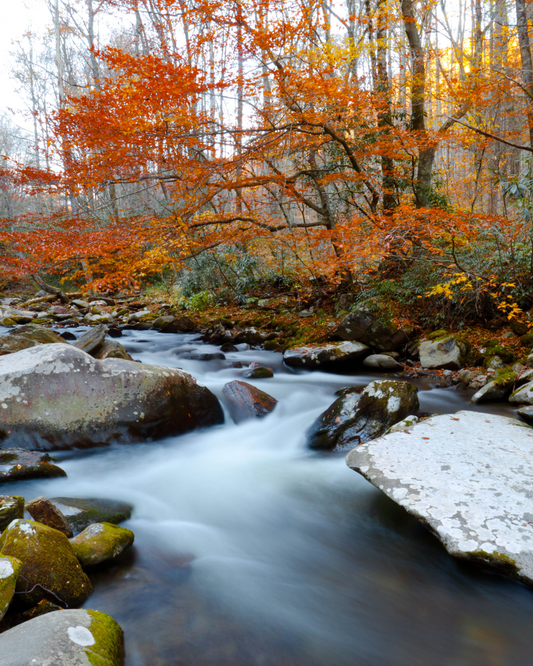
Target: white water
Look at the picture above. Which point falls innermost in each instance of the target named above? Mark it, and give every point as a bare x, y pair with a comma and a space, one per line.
295, 560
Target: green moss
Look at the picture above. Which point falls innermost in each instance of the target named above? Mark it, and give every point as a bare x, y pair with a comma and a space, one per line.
437, 335
271, 345
499, 561
505, 377
108, 648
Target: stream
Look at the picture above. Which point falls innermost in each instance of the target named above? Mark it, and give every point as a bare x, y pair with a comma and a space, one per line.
251, 550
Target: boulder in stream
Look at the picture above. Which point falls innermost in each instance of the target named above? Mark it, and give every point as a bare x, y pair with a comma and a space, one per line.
59, 397
328, 354
64, 638
44, 511
101, 542
468, 477
328, 427
9, 570
444, 352
50, 569
81, 513
246, 401
20, 464
91, 341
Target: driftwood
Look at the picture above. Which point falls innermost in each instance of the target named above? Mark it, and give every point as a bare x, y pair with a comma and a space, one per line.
51, 290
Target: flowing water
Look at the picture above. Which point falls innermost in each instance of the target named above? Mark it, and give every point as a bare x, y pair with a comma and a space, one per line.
251, 550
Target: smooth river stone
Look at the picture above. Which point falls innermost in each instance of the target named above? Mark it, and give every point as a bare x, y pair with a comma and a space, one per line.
469, 478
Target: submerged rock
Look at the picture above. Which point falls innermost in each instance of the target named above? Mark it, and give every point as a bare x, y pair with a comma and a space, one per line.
331, 353
9, 571
101, 542
468, 477
64, 638
44, 511
246, 401
11, 508
57, 396
19, 464
81, 513
50, 570
445, 352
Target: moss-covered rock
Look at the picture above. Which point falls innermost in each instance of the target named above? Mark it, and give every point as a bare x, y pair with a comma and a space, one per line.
19, 464
83, 512
39, 334
330, 354
50, 569
64, 638
100, 542
9, 570
11, 508
497, 389
523, 395
257, 371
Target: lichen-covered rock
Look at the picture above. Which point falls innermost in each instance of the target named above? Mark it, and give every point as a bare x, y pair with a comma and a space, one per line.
246, 401
44, 511
50, 569
101, 542
382, 362
57, 396
329, 426
446, 352
83, 512
20, 464
11, 508
256, 371
331, 353
523, 395
370, 329
64, 638
497, 389
9, 571
382, 404
468, 477
91, 341
10, 344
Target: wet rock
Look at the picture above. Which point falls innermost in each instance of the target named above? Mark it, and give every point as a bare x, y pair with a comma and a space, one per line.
10, 344
19, 464
332, 353
20, 316
112, 349
67, 335
80, 513
246, 401
381, 405
91, 340
364, 326
465, 477
382, 362
64, 638
44, 511
250, 336
497, 389
57, 396
446, 352
526, 413
329, 426
256, 371
9, 570
37, 333
101, 542
202, 356
44, 606
228, 347
114, 332
11, 508
523, 395
215, 335
50, 570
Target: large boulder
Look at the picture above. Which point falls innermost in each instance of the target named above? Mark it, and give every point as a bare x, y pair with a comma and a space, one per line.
443, 353
246, 401
329, 426
57, 396
9, 571
372, 330
468, 477
50, 569
44, 511
382, 404
101, 542
64, 638
332, 354
83, 512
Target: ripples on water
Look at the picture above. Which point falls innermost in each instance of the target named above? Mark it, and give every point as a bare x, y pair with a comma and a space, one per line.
252, 551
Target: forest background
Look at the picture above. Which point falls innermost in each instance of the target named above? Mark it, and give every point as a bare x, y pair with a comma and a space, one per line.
365, 152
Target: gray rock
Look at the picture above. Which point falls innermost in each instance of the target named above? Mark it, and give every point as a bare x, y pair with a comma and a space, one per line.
497, 389
101, 542
446, 353
366, 327
526, 413
80, 513
246, 401
382, 362
402, 425
381, 405
316, 355
92, 339
11, 508
64, 638
468, 477
523, 395
57, 396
